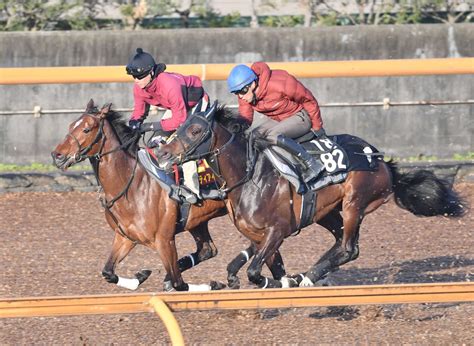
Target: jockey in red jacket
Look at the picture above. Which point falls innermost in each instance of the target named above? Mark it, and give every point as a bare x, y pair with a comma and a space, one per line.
291, 109
171, 91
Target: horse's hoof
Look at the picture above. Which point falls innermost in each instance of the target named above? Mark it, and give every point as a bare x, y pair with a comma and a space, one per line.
142, 275
233, 283
306, 282
324, 282
216, 285
110, 278
298, 278
167, 286
289, 282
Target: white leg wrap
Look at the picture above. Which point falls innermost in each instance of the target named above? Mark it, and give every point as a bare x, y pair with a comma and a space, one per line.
285, 282
306, 282
245, 254
199, 288
131, 284
192, 260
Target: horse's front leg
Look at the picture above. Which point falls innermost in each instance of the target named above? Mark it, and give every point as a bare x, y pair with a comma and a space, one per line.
270, 245
205, 249
236, 264
121, 247
166, 246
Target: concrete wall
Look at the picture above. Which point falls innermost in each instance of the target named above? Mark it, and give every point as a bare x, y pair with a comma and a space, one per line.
401, 131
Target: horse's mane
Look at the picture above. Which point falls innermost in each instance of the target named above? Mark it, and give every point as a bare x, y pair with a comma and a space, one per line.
121, 129
231, 119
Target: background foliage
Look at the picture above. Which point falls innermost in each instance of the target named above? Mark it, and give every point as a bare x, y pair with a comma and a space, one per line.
34, 15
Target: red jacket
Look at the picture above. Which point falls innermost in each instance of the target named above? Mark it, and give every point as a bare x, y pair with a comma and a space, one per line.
171, 91
279, 95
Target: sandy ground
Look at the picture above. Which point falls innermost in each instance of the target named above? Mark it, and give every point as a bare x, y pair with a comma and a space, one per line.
56, 244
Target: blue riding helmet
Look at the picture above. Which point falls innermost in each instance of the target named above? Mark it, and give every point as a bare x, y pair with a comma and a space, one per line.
141, 64
240, 76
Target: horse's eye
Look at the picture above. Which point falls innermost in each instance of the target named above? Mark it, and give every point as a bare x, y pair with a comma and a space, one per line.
86, 130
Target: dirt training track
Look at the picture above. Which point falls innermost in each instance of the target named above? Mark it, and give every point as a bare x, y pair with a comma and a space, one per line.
56, 244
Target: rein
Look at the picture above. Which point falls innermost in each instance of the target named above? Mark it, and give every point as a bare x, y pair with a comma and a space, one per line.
81, 155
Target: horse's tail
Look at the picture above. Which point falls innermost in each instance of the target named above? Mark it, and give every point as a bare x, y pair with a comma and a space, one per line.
424, 194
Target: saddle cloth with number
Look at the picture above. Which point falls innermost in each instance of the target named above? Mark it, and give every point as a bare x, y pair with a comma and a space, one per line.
339, 154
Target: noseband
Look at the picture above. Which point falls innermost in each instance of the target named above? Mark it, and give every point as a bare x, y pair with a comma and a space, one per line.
81, 153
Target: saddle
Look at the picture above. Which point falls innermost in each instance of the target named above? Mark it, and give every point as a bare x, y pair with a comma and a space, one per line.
340, 154
172, 182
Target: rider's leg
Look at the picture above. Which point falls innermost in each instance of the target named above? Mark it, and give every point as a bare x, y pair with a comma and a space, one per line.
190, 176
282, 135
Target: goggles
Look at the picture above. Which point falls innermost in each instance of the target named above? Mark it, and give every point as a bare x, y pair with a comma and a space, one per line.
244, 90
137, 72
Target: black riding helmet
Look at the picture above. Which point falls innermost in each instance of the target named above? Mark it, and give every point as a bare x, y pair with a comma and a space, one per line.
141, 64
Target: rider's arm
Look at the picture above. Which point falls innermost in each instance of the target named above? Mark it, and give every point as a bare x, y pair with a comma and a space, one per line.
297, 92
140, 108
246, 111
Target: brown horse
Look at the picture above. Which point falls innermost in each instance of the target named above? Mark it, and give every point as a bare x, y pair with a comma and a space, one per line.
266, 208
136, 206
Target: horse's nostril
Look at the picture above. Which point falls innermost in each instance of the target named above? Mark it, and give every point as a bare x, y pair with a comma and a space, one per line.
56, 155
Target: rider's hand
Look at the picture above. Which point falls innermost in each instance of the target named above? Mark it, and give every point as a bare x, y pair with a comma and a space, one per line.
135, 124
156, 126
319, 133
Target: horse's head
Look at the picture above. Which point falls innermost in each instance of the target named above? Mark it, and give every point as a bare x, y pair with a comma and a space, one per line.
84, 139
190, 141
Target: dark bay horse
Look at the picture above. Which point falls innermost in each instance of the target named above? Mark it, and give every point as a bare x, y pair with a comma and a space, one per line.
136, 206
266, 208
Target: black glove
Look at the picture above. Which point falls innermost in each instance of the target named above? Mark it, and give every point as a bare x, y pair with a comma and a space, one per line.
156, 126
135, 124
319, 133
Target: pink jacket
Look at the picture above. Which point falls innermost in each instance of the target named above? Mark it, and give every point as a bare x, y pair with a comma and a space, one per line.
172, 91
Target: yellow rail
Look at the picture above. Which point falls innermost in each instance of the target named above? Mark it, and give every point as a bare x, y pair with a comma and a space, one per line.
241, 299
317, 69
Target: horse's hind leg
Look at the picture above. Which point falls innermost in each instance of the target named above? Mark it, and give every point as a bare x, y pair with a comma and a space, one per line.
346, 231
333, 222
121, 247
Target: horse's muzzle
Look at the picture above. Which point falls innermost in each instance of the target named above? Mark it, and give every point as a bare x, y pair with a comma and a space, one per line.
60, 161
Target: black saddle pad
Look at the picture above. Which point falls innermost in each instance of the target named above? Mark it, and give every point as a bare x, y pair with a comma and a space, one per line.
344, 153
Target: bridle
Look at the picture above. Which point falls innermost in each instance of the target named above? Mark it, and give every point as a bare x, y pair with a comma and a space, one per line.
201, 148
82, 153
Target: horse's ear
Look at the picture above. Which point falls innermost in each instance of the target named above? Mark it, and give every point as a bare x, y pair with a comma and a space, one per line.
105, 110
90, 106
210, 112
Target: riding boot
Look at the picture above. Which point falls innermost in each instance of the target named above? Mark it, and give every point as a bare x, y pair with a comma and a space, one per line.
313, 167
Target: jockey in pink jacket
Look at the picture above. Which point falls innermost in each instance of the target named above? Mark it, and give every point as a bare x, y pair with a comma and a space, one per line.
171, 91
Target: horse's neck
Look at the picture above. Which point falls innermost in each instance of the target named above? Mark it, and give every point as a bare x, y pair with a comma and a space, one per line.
116, 168
233, 160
